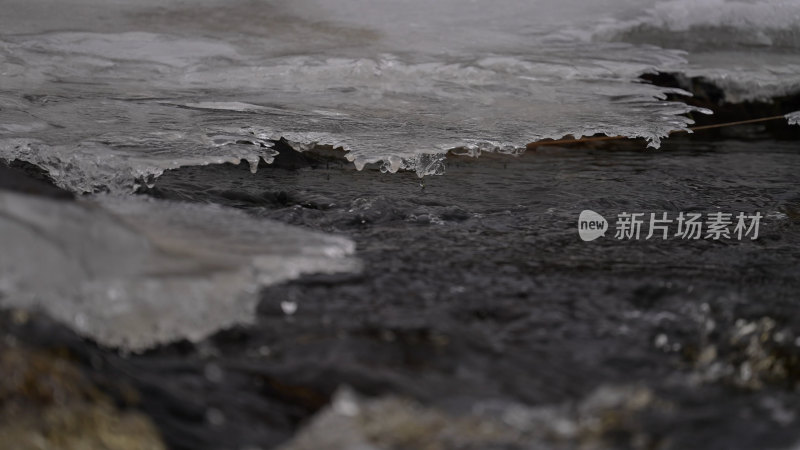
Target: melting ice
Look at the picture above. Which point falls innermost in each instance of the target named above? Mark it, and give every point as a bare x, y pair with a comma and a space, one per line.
137, 272
140, 87
108, 94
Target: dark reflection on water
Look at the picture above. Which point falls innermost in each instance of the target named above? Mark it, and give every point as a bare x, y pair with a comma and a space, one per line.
477, 287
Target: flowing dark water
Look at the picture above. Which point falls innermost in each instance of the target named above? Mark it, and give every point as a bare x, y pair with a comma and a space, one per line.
106, 98
220, 218
476, 290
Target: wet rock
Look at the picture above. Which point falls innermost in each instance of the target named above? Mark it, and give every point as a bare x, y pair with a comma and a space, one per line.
47, 403
749, 354
605, 419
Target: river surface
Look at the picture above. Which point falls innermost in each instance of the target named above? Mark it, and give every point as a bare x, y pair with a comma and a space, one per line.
317, 224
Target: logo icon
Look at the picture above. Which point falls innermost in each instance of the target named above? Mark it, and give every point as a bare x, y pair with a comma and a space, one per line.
591, 225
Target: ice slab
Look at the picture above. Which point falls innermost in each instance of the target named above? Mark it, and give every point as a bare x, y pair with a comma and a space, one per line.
137, 87
133, 273
793, 118
146, 86
749, 49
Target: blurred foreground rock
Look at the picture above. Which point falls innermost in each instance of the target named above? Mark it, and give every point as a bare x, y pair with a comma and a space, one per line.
47, 403
608, 418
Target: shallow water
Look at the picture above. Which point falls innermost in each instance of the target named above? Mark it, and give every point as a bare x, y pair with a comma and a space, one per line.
106, 98
477, 306
477, 293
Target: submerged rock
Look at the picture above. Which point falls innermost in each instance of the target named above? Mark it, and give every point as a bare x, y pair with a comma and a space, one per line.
748, 354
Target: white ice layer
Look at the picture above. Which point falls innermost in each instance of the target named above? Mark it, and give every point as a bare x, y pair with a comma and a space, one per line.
143, 87
750, 49
134, 273
139, 87
793, 118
